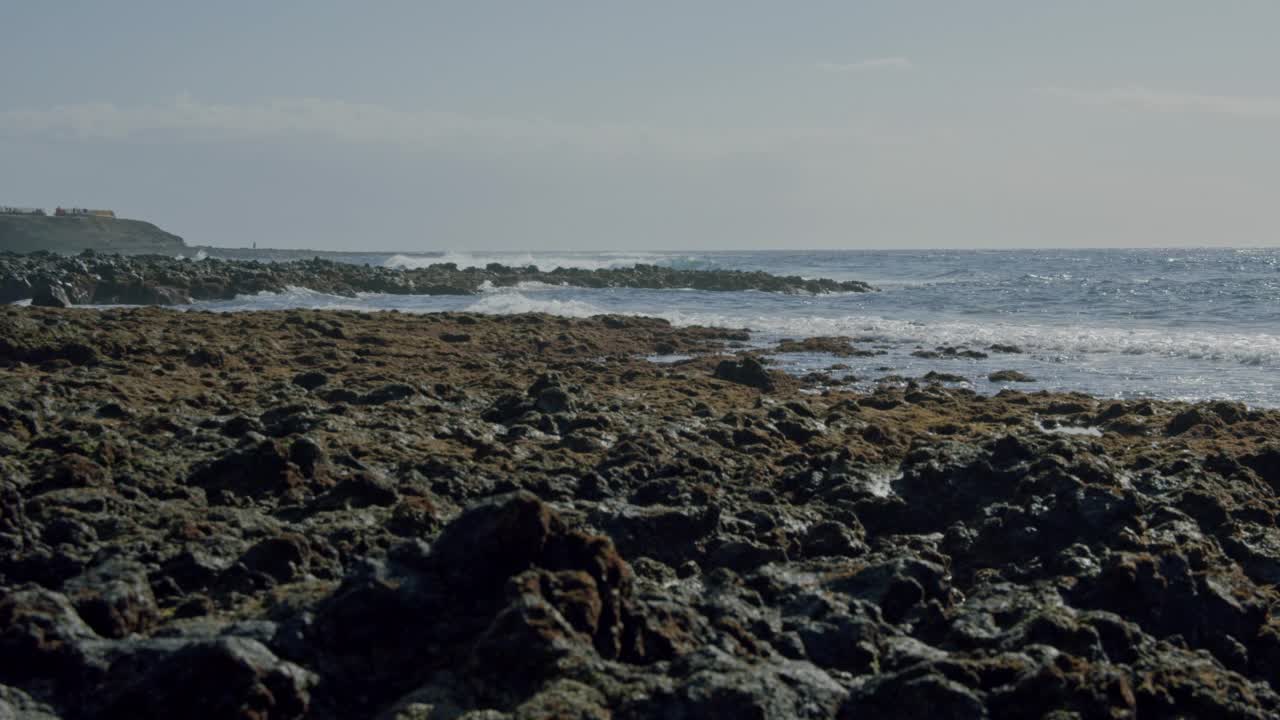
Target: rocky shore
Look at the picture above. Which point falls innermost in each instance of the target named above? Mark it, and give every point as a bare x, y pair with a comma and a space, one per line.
95, 279
333, 514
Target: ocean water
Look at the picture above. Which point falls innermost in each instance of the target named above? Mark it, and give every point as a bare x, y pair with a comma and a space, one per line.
1184, 324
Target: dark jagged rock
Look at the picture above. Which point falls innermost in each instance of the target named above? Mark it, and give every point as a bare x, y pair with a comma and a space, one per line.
1010, 376
1005, 349
538, 522
264, 469
838, 346
162, 279
50, 295
115, 598
388, 393
218, 678
746, 371
947, 351
310, 380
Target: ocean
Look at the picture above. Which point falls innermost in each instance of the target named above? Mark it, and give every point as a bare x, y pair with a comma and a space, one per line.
1190, 324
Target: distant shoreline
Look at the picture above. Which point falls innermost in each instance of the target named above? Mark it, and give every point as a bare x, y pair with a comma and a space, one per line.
73, 234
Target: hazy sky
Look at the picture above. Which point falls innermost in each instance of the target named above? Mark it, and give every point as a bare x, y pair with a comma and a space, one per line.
650, 125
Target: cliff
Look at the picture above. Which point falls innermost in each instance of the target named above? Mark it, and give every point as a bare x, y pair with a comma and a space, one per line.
24, 234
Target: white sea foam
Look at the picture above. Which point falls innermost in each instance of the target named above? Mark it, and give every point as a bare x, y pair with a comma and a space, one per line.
1248, 349
1044, 341
514, 303
1076, 430
1113, 323
526, 286
292, 297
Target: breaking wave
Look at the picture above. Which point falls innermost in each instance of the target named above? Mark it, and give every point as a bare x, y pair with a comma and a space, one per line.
1246, 349
515, 303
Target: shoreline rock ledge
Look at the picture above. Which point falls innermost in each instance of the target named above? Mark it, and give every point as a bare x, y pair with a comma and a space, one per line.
333, 514
92, 278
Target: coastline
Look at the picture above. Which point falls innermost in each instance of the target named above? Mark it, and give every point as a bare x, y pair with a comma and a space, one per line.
78, 233
91, 278
381, 513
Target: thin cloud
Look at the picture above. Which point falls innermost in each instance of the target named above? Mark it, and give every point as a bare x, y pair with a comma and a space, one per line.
189, 119
882, 63
1141, 98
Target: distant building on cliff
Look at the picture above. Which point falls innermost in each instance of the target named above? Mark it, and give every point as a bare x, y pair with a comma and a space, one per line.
83, 212
8, 210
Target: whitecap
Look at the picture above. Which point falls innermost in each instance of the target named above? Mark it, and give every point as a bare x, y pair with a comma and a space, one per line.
515, 303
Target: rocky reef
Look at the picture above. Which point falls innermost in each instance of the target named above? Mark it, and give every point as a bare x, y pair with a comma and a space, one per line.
332, 514
95, 279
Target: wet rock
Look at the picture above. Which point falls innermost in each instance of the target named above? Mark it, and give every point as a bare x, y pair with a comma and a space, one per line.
283, 558
548, 394
800, 430
565, 698
18, 705
291, 419
388, 393
1229, 412
415, 516
831, 538
521, 593
307, 454
220, 678
114, 411
1010, 376
51, 295
363, 489
71, 471
921, 697
310, 380
667, 534
115, 598
65, 530
843, 642
947, 351
42, 638
239, 426
1186, 420
1266, 463
550, 618
838, 346
742, 554
496, 539
206, 357
553, 400
745, 371
257, 471
189, 570
713, 683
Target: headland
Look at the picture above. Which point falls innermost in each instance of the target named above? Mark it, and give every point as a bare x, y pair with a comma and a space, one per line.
25, 233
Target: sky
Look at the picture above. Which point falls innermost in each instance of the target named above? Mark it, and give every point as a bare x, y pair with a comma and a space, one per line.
662, 125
